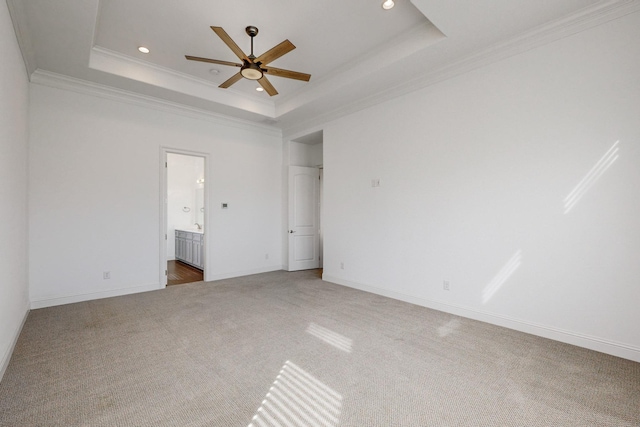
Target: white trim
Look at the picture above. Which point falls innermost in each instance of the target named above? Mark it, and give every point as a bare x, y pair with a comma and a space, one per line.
111, 62
244, 273
6, 357
164, 236
70, 299
407, 44
59, 81
581, 340
163, 209
540, 36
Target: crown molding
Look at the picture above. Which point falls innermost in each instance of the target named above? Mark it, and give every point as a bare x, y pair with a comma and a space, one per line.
59, 81
405, 45
112, 62
537, 37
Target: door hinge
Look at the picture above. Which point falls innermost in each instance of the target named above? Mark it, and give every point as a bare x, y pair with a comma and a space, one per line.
166, 273
165, 237
165, 164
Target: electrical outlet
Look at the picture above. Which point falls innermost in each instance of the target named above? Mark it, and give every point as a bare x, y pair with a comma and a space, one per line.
445, 285
106, 275
342, 266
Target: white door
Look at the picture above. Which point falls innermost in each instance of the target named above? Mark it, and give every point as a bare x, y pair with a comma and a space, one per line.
304, 199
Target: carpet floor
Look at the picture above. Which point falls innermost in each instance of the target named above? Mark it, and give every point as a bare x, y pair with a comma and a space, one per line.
287, 349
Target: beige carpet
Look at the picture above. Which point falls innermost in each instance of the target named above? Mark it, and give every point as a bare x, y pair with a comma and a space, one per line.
287, 349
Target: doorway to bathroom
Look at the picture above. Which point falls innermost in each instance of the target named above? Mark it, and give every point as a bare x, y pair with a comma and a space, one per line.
184, 217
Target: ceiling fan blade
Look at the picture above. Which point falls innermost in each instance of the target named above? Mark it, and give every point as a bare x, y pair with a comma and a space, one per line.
212, 61
266, 84
279, 72
229, 42
275, 52
236, 77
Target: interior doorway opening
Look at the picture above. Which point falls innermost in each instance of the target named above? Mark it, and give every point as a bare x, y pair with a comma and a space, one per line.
184, 218
305, 185
179, 273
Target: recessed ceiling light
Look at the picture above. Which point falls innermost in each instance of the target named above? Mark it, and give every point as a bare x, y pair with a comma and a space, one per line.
214, 71
388, 4
259, 89
143, 49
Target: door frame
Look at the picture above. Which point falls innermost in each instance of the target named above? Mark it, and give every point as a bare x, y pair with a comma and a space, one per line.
290, 212
163, 237
320, 218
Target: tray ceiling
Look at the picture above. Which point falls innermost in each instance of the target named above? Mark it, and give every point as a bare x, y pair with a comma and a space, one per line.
356, 52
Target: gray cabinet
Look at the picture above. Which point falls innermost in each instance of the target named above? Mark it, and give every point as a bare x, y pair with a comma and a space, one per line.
190, 248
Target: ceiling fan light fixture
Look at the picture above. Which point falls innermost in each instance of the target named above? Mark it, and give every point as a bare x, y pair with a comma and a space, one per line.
388, 4
251, 71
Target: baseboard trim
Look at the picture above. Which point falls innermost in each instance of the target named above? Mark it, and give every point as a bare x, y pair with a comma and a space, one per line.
581, 340
69, 299
6, 357
242, 273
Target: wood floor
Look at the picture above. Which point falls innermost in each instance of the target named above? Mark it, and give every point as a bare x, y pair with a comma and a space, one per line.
179, 273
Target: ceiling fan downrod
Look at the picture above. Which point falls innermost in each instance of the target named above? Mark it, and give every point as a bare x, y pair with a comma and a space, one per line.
252, 32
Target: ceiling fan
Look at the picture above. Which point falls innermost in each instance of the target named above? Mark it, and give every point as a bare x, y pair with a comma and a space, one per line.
252, 67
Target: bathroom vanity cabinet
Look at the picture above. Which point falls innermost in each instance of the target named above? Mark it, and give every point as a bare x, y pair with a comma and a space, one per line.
190, 247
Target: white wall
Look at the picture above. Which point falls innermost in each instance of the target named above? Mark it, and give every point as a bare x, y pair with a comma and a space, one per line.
95, 195
305, 154
183, 206
14, 96
474, 172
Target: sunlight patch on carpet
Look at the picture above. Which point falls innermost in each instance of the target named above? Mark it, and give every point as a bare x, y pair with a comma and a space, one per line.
448, 328
330, 337
298, 399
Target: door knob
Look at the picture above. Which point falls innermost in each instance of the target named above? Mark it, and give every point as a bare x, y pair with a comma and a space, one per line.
291, 231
